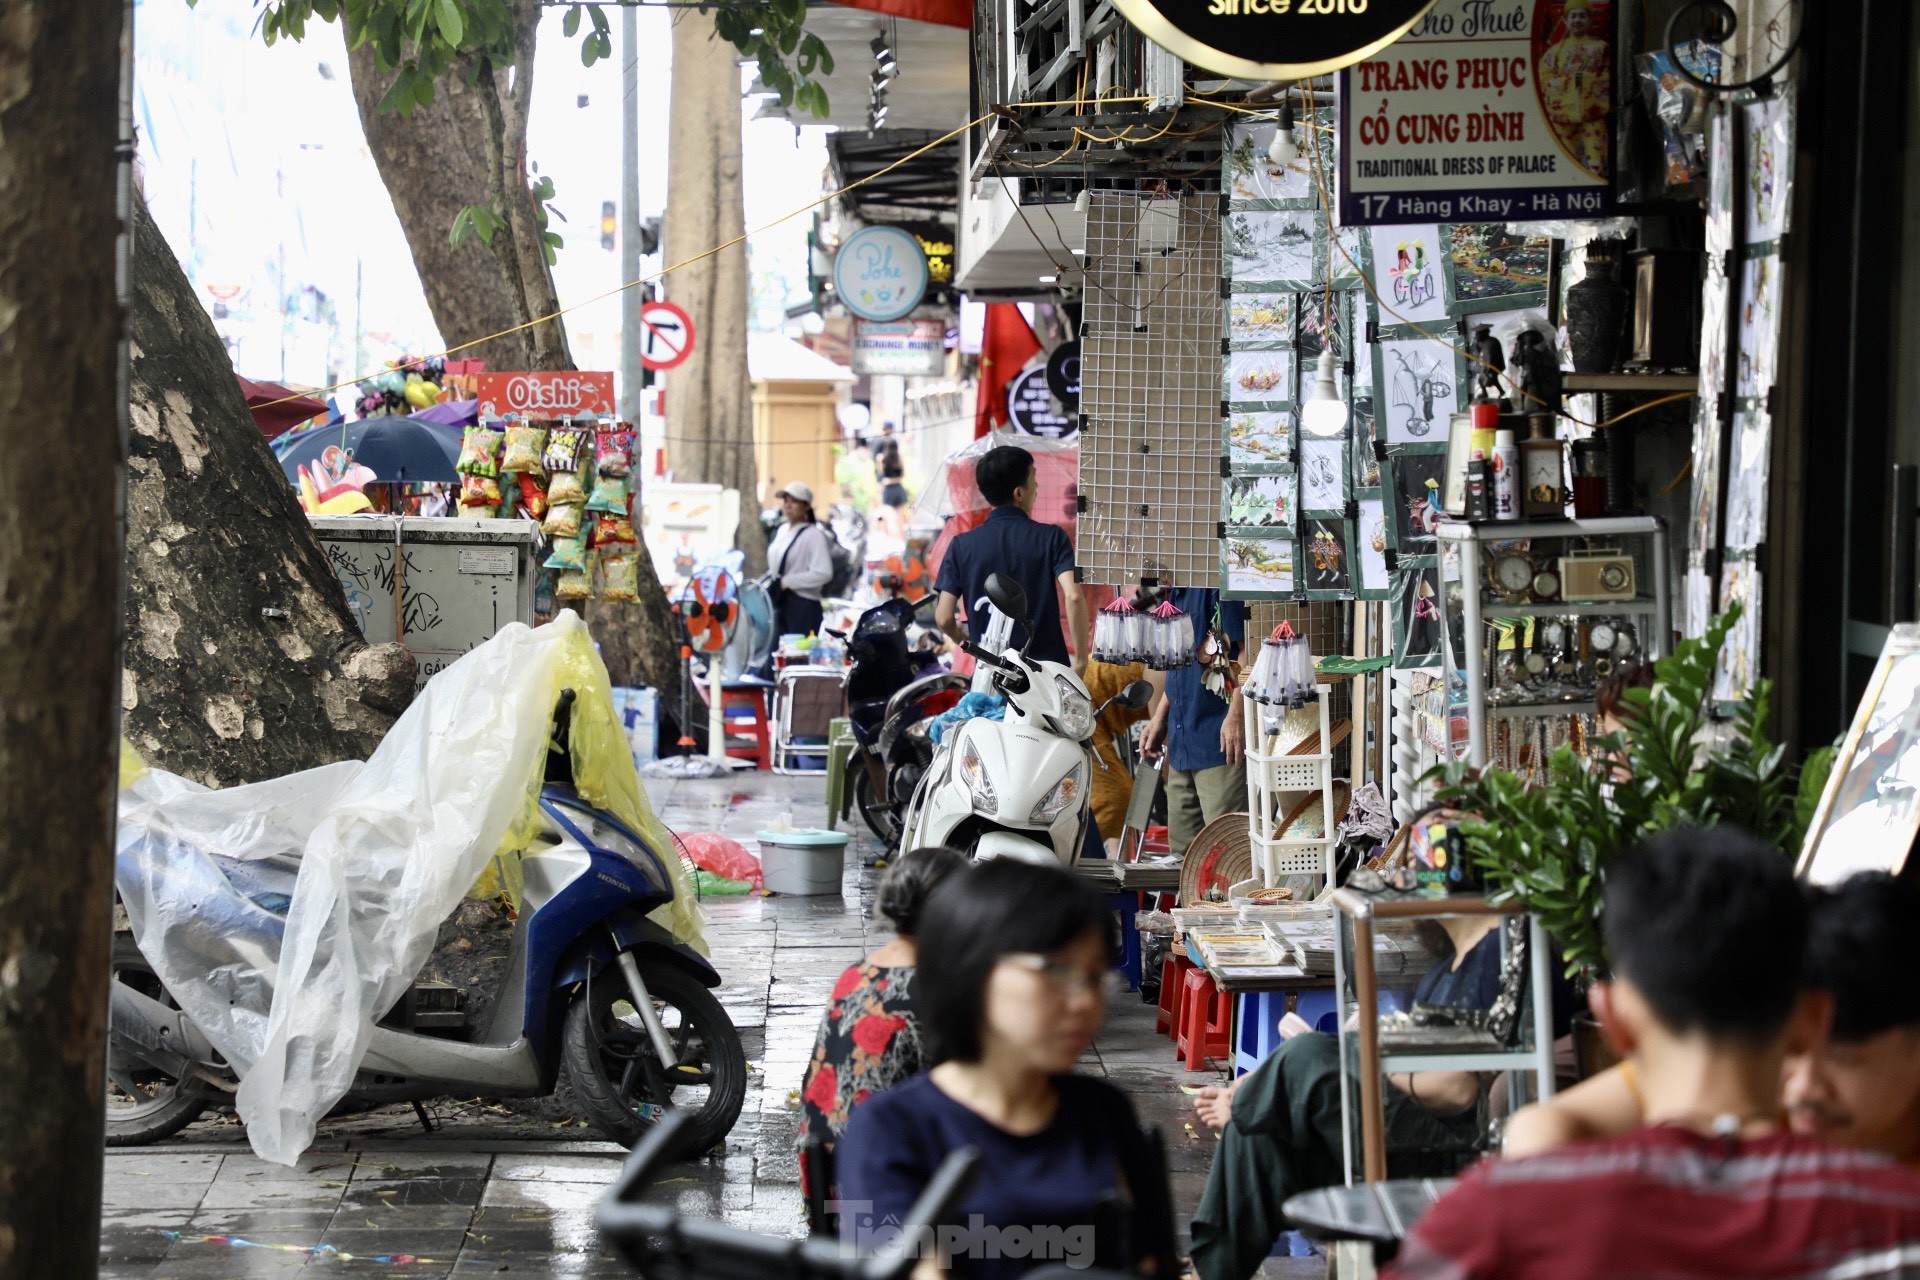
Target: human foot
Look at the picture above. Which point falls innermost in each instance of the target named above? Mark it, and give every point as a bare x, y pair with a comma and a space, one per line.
1215, 1104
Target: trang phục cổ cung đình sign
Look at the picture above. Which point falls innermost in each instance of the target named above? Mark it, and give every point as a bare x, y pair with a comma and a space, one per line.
1485, 111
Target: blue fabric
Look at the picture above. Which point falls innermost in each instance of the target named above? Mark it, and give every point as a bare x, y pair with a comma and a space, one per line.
1194, 714
974, 706
1065, 1177
1013, 543
1474, 985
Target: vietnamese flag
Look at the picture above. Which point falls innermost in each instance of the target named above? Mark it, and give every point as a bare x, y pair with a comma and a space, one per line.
1005, 347
947, 13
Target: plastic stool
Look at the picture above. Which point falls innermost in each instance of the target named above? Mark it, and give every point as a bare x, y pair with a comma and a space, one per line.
751, 726
1204, 1017
1174, 969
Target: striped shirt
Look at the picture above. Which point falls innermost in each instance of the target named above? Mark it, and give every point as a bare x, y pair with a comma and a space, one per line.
1665, 1203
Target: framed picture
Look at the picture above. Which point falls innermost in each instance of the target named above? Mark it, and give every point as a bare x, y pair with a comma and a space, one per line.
1260, 377
1327, 552
1257, 320
1747, 467
1413, 482
1719, 229
1739, 661
1488, 268
1416, 615
1273, 248
1698, 588
1372, 579
1759, 324
1256, 567
1257, 182
1703, 517
1349, 250
1259, 503
1869, 811
1713, 331
1323, 474
1366, 463
1317, 309
1453, 486
1405, 261
1766, 128
1259, 440
1417, 388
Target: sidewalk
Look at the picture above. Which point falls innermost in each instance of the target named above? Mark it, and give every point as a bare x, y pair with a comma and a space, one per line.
494, 1192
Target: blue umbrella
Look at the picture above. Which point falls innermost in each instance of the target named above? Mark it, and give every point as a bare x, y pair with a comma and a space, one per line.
397, 450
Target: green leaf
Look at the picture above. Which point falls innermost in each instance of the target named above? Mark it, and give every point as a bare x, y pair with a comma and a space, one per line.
398, 93
570, 25
452, 26
589, 51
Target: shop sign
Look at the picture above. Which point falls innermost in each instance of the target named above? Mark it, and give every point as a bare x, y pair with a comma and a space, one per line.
1273, 39
1486, 111
1063, 373
906, 348
545, 395
1032, 409
880, 273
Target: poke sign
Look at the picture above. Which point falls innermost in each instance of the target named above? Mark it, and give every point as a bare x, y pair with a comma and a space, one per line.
666, 335
880, 273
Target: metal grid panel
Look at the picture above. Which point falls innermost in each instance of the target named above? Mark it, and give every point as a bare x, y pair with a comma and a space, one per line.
1150, 385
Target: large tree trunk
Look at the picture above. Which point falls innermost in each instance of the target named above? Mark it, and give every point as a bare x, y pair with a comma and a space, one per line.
59, 629
709, 399
242, 661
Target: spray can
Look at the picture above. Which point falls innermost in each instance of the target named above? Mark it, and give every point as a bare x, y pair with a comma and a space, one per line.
1506, 475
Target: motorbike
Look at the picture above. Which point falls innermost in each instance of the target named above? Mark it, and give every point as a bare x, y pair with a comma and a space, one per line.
1015, 787
593, 991
893, 685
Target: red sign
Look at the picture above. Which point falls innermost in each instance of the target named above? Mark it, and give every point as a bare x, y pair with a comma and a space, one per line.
545, 395
666, 335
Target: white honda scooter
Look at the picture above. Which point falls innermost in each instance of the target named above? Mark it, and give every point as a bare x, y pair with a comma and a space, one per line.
1017, 787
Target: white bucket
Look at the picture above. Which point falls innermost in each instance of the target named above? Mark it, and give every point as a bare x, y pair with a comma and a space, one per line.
807, 863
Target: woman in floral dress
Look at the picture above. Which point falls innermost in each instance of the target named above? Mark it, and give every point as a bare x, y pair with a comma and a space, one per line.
869, 1039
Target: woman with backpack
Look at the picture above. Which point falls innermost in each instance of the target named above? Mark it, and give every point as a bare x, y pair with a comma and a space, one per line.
800, 564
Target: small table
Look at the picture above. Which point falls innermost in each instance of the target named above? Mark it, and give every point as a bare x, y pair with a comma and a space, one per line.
1374, 1212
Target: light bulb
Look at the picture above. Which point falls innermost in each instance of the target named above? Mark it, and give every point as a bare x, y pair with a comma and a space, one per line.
1325, 413
1081, 201
1284, 150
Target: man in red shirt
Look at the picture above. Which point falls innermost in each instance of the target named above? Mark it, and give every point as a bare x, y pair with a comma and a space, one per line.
1706, 932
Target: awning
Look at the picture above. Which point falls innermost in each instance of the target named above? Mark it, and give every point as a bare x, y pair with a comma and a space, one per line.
927, 186
946, 13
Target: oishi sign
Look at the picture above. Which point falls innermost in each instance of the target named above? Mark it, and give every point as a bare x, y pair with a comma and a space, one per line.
1486, 111
545, 395
1273, 39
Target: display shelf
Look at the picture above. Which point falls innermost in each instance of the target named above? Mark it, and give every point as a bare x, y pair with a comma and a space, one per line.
1641, 605
1650, 383
1513, 710
1276, 782
1509, 530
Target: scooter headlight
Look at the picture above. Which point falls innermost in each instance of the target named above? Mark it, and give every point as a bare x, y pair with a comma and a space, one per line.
1066, 794
973, 772
1075, 720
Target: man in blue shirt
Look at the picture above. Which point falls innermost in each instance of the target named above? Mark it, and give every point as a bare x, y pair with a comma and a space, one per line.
1203, 736
1011, 542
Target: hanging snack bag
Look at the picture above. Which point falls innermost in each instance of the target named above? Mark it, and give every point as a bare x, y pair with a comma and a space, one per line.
479, 491
568, 553
609, 495
533, 496
562, 520
620, 575
574, 584
566, 449
609, 529
565, 487
614, 455
526, 449
479, 452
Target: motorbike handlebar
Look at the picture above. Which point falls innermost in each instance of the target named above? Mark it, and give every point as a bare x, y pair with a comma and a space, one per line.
1016, 675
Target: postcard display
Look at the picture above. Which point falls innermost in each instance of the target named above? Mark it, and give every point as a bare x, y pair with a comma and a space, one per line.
1351, 517
1750, 158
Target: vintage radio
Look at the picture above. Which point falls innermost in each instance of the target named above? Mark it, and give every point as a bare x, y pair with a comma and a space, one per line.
1594, 577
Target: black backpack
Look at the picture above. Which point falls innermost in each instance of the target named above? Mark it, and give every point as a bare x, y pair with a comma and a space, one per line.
846, 571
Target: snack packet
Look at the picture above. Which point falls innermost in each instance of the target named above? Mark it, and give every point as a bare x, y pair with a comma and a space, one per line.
479, 452
609, 495
533, 496
568, 553
620, 575
566, 449
575, 584
525, 448
614, 455
612, 529
565, 487
479, 491
562, 520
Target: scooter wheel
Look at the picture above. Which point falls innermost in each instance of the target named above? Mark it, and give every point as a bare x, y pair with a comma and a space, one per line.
876, 813
617, 1077
144, 1104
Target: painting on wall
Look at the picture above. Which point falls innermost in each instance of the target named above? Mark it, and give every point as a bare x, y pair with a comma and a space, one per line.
1257, 568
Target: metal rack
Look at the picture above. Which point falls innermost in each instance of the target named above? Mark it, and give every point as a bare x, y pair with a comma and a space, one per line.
1467, 541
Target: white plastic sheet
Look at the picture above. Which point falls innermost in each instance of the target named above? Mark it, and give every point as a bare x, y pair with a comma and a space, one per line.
384, 850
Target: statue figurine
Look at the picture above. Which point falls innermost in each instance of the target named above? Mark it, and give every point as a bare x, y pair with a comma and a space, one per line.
1489, 363
1538, 370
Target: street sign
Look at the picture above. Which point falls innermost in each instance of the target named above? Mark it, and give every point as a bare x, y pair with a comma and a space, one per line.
666, 335
1031, 406
545, 395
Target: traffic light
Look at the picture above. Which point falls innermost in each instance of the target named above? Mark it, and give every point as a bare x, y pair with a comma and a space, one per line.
607, 223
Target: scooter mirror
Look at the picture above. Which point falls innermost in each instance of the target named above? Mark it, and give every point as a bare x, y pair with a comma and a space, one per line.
1136, 695
923, 613
1008, 597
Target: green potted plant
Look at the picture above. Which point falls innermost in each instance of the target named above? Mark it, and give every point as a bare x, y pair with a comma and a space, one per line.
1547, 847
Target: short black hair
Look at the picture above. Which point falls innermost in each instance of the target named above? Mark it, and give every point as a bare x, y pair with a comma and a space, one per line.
1004, 469
995, 909
1709, 925
904, 888
1864, 950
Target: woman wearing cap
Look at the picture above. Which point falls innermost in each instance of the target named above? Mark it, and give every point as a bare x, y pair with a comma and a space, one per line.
801, 566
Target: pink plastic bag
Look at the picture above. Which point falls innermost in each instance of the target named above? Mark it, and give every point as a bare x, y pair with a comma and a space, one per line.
714, 852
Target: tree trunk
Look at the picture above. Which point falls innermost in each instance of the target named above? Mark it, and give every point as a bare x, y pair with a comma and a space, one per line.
59, 588
709, 399
242, 661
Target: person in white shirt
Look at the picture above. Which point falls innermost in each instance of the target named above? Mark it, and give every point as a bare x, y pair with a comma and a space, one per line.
799, 563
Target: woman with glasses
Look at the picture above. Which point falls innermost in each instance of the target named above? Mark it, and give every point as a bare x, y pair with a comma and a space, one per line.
1013, 980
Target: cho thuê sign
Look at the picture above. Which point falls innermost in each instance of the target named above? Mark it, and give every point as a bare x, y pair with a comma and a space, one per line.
1273, 39
545, 395
1485, 111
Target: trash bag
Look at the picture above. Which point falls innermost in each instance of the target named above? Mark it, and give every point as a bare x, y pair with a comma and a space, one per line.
378, 854
725, 858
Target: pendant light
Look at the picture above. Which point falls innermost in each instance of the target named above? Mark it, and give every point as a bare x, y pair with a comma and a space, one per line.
1325, 413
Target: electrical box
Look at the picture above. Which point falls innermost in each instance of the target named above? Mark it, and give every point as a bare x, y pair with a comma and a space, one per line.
463, 579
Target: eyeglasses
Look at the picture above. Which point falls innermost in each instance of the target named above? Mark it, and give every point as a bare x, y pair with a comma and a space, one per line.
1403, 878
1106, 983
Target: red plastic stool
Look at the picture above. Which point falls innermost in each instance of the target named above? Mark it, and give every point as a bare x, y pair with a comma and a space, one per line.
1173, 976
752, 726
1206, 1013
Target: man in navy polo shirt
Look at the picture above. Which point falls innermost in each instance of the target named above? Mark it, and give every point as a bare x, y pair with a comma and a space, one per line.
1011, 542
1203, 736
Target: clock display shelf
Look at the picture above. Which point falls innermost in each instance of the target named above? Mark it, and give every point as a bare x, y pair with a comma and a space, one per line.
1494, 607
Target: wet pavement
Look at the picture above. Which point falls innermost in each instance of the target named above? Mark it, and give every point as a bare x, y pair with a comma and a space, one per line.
493, 1191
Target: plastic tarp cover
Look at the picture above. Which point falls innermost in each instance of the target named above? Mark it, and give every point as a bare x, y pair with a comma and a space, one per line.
376, 855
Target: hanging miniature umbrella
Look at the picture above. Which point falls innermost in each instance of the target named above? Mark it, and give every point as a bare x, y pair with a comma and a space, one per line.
1170, 640
1110, 639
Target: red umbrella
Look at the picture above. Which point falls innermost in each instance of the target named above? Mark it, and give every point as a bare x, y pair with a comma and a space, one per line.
274, 418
